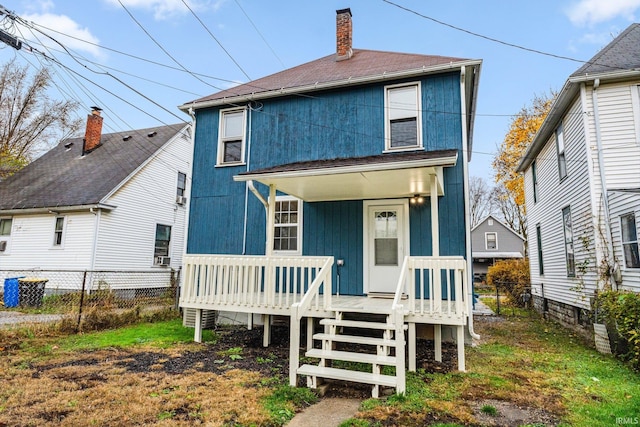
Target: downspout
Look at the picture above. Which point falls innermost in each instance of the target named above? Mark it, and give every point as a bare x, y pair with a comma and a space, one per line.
246, 188
96, 228
603, 181
467, 211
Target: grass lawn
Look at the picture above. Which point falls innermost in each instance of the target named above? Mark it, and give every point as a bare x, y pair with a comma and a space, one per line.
523, 369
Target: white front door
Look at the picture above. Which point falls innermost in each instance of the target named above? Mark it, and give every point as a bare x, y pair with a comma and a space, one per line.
386, 241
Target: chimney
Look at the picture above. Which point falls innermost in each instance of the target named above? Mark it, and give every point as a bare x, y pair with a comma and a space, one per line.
344, 34
93, 132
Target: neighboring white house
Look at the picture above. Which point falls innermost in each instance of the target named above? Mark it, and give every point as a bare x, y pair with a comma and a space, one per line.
104, 202
584, 237
491, 240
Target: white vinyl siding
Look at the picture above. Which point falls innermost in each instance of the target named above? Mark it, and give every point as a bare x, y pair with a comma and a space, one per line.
127, 234
574, 191
403, 122
624, 203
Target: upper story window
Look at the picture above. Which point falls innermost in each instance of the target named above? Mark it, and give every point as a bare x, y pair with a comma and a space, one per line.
630, 241
5, 226
534, 176
403, 126
562, 159
58, 232
287, 233
182, 184
539, 242
491, 241
568, 241
231, 137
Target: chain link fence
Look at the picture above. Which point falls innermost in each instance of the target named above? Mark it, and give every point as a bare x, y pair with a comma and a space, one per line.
76, 291
505, 297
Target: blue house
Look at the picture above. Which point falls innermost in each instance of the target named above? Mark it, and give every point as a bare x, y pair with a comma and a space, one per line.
336, 192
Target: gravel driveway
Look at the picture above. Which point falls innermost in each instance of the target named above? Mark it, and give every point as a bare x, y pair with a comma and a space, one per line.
8, 318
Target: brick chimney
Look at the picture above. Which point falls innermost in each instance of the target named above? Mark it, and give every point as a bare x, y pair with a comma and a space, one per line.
344, 34
94, 131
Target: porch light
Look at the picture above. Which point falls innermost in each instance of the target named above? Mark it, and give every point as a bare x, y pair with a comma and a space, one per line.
416, 200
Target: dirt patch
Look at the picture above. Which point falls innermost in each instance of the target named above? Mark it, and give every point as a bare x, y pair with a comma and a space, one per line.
508, 414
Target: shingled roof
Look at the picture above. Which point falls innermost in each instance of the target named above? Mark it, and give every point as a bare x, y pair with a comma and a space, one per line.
623, 53
363, 64
63, 177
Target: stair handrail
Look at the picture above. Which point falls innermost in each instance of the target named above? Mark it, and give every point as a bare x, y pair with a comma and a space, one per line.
401, 280
323, 277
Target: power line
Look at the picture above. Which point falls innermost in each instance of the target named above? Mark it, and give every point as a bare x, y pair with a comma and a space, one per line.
217, 41
260, 34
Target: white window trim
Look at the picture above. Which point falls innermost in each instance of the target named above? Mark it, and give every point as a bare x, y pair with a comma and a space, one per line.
169, 251
560, 130
387, 127
7, 238
300, 229
635, 100
486, 240
564, 242
64, 232
623, 242
220, 160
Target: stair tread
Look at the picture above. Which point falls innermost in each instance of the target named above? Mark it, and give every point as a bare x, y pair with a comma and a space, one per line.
355, 339
348, 375
360, 324
348, 356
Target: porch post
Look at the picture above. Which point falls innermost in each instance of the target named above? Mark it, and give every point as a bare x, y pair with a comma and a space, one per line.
437, 341
198, 326
435, 232
268, 251
271, 216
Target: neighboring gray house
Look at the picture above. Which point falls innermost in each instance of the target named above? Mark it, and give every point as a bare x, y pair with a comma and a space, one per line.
491, 240
112, 201
582, 175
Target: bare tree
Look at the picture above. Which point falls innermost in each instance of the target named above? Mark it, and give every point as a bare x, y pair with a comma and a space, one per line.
481, 200
513, 215
30, 121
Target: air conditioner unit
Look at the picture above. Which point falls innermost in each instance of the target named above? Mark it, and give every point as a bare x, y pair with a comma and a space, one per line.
181, 200
3, 246
162, 260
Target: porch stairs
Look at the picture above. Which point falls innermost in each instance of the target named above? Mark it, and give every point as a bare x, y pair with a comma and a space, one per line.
376, 340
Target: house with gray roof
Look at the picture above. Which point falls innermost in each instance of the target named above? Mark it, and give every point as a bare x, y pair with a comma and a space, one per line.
491, 241
582, 181
112, 201
335, 193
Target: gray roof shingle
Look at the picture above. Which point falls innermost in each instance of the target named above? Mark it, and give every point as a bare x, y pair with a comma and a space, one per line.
63, 177
363, 63
623, 53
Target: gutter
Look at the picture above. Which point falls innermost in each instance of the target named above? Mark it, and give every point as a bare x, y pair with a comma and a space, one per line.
272, 93
58, 209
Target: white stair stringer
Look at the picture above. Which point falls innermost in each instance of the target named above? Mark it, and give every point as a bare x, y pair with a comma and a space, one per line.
376, 351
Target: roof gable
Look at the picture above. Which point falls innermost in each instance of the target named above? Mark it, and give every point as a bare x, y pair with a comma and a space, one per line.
64, 177
501, 225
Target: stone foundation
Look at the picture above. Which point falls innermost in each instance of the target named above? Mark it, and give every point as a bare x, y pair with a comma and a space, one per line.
571, 317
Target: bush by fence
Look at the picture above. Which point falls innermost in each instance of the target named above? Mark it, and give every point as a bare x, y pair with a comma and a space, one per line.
620, 310
79, 291
512, 276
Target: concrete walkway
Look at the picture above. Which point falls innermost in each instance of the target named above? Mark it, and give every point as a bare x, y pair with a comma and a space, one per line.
330, 412
482, 309
9, 318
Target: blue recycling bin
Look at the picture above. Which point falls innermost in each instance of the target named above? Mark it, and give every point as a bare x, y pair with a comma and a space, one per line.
11, 292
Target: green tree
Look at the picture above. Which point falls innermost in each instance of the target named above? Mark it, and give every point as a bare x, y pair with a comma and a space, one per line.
30, 121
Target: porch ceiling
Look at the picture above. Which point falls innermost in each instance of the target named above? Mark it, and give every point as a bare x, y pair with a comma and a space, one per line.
373, 177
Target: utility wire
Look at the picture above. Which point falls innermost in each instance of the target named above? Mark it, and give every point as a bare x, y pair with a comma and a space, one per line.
217, 41
260, 34
163, 49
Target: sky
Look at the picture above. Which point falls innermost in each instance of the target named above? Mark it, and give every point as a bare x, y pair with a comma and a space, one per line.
139, 59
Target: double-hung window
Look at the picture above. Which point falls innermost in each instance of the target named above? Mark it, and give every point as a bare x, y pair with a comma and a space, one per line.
568, 241
539, 242
5, 226
231, 137
403, 125
182, 184
491, 241
58, 232
630, 241
287, 233
162, 243
562, 159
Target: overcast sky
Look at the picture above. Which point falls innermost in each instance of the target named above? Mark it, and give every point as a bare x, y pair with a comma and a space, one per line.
165, 53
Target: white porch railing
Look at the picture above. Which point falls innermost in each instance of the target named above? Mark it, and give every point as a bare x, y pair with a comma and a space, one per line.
251, 283
434, 287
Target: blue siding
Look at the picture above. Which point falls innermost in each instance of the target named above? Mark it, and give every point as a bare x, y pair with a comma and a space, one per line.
326, 125
339, 224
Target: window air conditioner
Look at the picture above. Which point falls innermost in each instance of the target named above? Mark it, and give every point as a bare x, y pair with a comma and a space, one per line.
163, 260
181, 200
